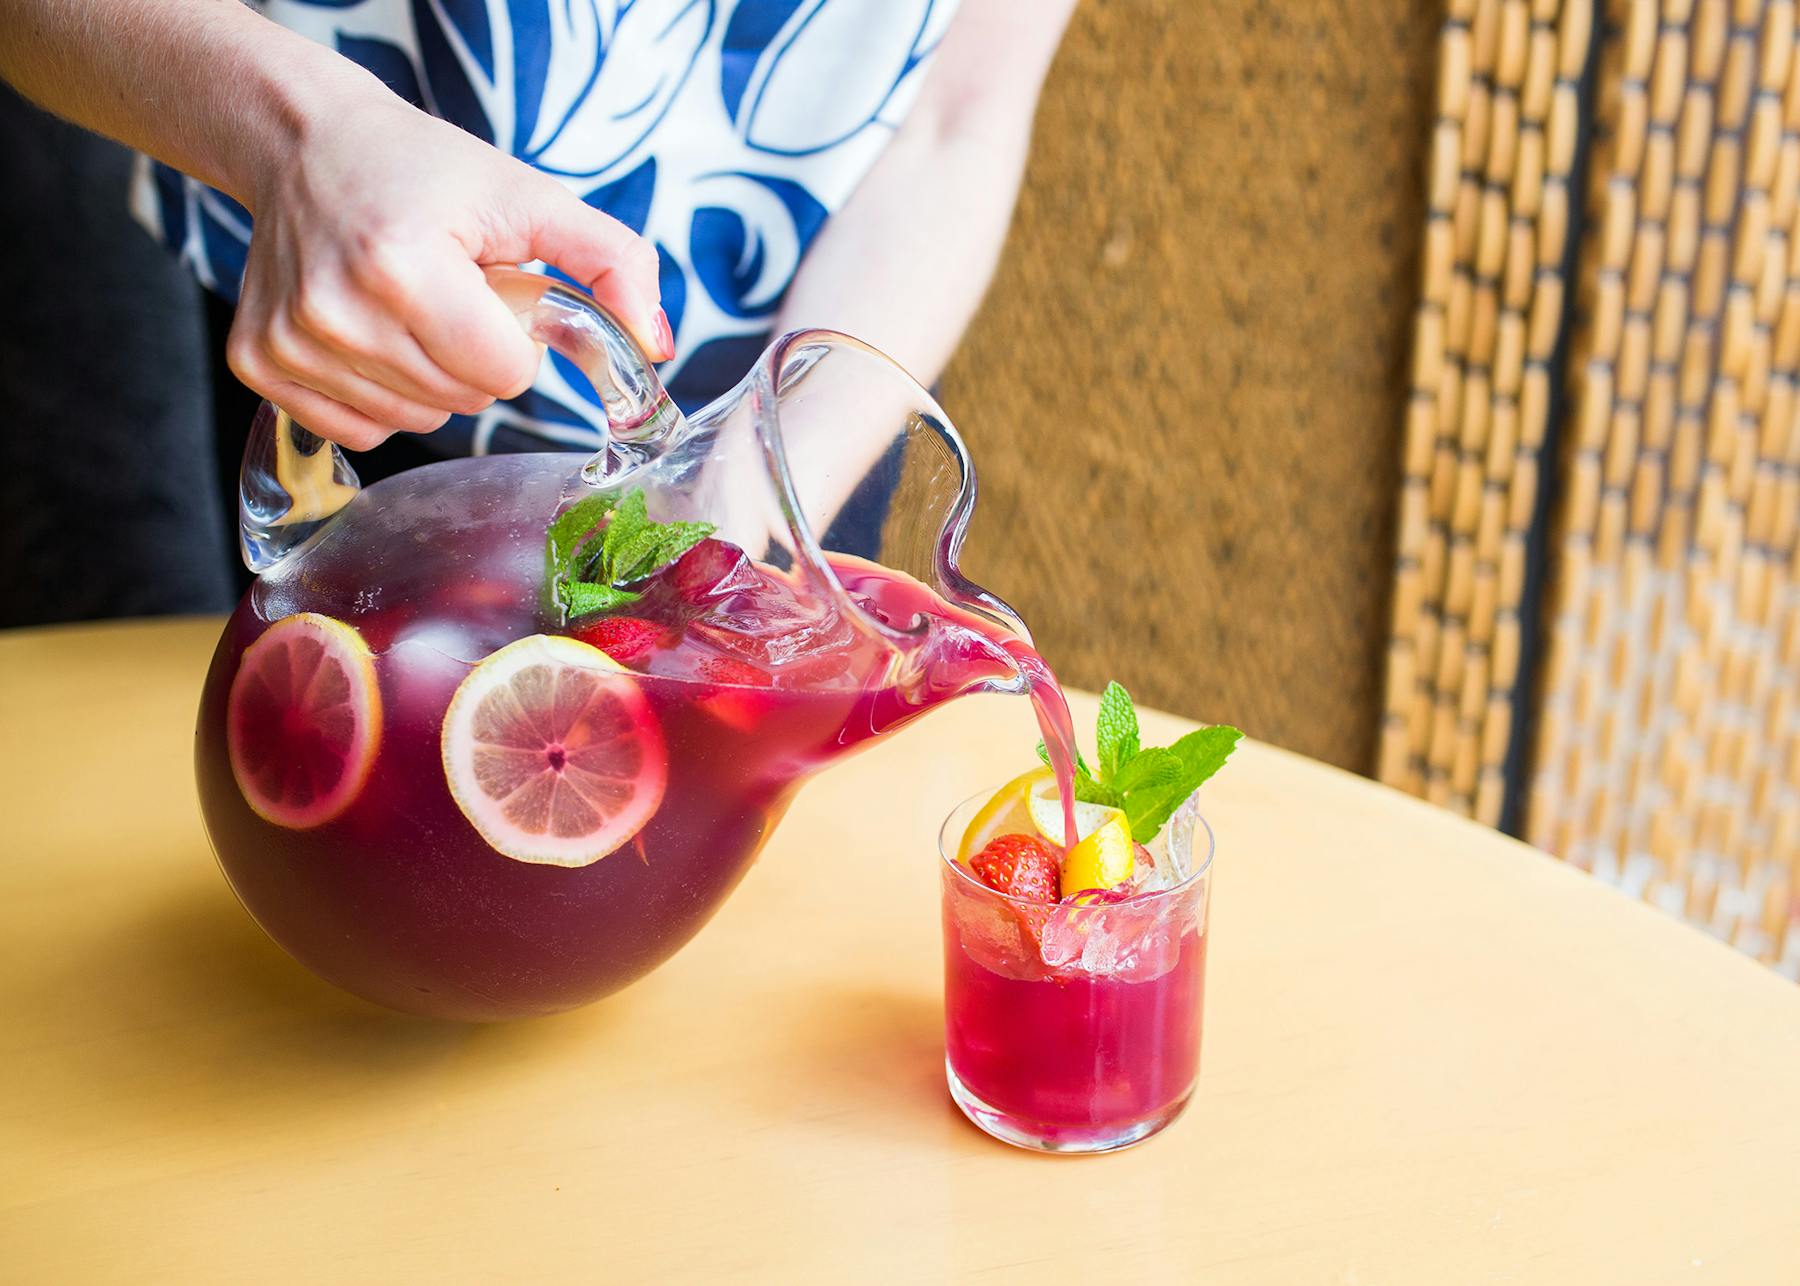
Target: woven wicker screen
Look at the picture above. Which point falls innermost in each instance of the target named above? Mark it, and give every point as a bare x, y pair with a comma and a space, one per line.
1657, 739
1490, 319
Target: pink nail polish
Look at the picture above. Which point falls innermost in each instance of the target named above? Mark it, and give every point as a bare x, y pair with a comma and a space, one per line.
665, 338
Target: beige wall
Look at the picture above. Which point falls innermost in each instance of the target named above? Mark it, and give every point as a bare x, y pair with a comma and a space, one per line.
1184, 394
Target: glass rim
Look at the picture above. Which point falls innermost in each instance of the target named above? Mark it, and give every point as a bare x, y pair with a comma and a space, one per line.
1148, 897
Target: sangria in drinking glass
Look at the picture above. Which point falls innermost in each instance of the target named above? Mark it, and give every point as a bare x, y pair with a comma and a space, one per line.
1074, 974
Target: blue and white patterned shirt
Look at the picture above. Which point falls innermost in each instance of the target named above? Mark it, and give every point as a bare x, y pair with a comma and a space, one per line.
724, 131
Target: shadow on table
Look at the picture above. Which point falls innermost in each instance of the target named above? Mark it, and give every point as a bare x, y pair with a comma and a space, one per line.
867, 1060
199, 1022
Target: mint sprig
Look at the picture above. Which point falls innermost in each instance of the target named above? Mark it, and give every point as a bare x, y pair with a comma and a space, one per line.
602, 545
1147, 783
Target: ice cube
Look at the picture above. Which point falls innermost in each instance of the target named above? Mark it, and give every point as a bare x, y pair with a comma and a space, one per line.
1100, 954
994, 937
1063, 936
461, 640
1146, 949
1165, 865
1184, 831
774, 628
1114, 938
770, 641
1151, 875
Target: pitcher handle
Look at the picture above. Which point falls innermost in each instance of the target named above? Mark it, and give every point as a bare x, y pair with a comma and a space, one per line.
292, 481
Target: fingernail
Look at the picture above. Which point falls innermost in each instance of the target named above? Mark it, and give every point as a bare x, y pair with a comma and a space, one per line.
665, 338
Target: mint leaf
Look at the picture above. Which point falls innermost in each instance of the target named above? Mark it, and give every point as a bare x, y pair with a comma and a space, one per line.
573, 523
1089, 791
1147, 783
599, 545
582, 597
678, 538
584, 559
1148, 769
1116, 731
1146, 809
636, 556
629, 521
1200, 754
653, 547
1204, 751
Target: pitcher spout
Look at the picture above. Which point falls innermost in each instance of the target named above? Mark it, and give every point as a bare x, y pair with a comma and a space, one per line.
865, 466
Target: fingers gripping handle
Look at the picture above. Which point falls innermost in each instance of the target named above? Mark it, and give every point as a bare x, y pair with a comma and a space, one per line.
568, 321
292, 481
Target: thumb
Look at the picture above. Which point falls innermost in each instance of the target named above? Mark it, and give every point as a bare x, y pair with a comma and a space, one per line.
615, 265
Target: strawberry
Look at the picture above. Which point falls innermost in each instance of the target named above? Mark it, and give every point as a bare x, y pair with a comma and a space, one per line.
711, 569
626, 639
735, 702
1021, 866
730, 670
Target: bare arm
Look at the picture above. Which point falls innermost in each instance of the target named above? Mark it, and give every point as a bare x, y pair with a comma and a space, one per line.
905, 263
205, 85
363, 307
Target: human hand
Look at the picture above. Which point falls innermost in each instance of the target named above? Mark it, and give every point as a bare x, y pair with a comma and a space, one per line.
364, 309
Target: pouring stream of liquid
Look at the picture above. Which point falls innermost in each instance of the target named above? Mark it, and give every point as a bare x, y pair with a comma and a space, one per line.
1056, 725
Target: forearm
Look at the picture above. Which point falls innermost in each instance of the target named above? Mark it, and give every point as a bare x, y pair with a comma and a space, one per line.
362, 308
210, 87
906, 261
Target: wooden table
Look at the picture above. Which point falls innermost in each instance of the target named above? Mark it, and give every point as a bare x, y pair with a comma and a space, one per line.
1432, 1056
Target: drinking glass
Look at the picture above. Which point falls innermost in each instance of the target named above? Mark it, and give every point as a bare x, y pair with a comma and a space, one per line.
1075, 1027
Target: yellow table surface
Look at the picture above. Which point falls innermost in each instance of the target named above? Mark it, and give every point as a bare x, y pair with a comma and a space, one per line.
1431, 1055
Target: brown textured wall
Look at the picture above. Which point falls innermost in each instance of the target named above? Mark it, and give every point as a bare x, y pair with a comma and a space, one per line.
1184, 393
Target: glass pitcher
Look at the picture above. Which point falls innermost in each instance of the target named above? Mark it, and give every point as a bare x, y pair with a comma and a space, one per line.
496, 736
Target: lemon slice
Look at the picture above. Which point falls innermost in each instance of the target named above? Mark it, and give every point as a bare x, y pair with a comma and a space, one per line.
552, 752
1045, 807
1007, 813
1102, 856
303, 721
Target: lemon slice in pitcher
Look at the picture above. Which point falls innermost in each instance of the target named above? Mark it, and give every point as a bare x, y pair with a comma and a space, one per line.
1102, 855
303, 721
552, 752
